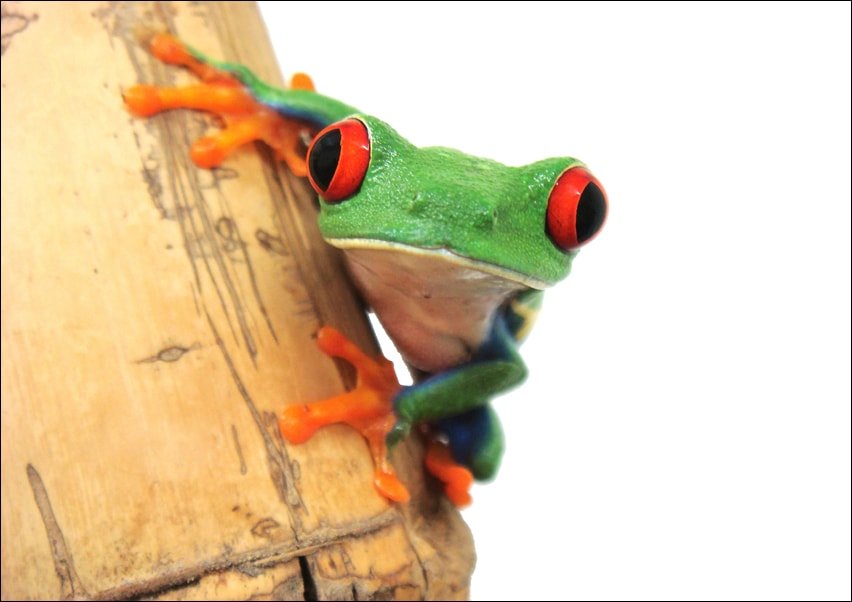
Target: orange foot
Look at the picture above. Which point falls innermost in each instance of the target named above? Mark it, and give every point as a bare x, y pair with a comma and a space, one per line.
368, 408
245, 118
456, 478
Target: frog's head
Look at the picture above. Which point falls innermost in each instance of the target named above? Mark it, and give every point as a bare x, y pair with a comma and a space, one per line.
378, 191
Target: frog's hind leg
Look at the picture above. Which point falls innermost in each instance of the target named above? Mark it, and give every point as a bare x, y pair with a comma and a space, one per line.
246, 119
473, 449
475, 440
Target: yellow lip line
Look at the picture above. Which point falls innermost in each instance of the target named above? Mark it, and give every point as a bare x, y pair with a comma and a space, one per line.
446, 254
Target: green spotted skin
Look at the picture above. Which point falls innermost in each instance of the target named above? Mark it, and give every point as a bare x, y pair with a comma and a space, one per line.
440, 198
434, 198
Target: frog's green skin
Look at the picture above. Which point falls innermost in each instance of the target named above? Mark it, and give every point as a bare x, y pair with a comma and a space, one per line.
451, 253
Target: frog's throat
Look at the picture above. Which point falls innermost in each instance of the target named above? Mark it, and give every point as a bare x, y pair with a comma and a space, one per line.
440, 253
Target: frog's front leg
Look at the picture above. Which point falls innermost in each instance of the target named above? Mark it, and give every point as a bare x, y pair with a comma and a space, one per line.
246, 119
368, 408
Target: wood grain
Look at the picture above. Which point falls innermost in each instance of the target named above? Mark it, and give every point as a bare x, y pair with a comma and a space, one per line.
155, 318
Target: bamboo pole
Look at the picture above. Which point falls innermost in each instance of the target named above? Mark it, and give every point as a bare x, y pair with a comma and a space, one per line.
155, 318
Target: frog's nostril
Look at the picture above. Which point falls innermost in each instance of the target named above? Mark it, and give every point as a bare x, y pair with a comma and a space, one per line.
591, 212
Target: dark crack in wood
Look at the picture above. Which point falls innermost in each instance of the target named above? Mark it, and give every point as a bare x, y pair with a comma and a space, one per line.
309, 543
309, 586
12, 24
271, 243
280, 470
70, 586
238, 447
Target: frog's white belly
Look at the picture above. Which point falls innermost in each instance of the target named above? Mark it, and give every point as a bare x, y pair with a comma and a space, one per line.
435, 309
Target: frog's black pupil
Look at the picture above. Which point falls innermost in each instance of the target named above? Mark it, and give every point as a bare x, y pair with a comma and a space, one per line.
591, 212
324, 158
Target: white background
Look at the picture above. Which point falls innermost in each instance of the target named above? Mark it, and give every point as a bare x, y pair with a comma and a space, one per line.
685, 430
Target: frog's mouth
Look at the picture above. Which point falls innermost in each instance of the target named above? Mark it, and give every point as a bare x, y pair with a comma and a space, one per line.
442, 254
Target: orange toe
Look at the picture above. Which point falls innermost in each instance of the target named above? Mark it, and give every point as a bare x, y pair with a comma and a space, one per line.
143, 100
294, 424
169, 49
460, 498
457, 479
391, 487
206, 152
302, 81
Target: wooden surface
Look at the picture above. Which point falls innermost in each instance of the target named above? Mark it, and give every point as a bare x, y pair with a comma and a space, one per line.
155, 317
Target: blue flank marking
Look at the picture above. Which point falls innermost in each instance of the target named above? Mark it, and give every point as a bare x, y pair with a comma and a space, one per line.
289, 111
499, 344
467, 433
514, 322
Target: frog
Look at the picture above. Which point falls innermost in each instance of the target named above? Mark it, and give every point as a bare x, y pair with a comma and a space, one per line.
451, 252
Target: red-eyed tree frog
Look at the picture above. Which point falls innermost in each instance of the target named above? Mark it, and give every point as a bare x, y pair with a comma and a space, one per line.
452, 252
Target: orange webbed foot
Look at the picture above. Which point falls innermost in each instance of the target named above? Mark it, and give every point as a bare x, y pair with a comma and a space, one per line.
456, 478
245, 118
367, 408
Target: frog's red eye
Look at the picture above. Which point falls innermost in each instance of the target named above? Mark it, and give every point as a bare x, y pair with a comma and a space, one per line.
576, 209
338, 159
